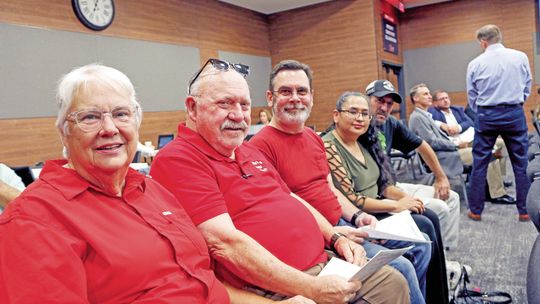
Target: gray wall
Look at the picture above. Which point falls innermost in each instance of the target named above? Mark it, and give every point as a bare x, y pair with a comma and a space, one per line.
33, 59
439, 67
259, 74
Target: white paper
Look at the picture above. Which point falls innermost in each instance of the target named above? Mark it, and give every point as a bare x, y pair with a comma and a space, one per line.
351, 272
466, 136
399, 226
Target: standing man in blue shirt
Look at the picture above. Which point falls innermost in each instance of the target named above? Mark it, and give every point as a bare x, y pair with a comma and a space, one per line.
498, 83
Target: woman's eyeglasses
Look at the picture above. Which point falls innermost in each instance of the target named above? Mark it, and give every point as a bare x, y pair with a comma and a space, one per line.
220, 65
90, 120
355, 114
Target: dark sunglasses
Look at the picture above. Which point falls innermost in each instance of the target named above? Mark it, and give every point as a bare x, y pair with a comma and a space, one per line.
220, 65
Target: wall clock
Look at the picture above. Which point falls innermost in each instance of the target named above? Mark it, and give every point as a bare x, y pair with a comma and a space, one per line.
97, 15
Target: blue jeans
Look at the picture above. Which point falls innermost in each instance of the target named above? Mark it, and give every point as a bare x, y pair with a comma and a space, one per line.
413, 269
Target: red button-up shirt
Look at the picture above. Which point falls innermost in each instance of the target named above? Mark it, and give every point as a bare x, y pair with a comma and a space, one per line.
65, 241
249, 189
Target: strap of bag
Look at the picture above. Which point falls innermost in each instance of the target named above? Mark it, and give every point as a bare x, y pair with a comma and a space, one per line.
486, 297
480, 297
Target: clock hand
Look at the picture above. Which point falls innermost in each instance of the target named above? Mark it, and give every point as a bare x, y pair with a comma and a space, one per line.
95, 5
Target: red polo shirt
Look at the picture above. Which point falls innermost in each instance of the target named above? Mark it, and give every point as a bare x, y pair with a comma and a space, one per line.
248, 189
301, 162
65, 241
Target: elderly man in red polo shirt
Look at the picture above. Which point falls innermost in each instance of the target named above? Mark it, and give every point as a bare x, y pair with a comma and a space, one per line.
262, 237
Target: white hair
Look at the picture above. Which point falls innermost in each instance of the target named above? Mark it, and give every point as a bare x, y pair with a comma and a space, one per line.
79, 78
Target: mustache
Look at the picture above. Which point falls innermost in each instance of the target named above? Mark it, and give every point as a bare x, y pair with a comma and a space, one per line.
229, 124
297, 106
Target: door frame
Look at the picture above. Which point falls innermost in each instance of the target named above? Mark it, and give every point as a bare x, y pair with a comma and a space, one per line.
397, 69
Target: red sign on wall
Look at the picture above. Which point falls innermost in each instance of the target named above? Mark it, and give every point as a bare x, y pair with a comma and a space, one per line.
397, 4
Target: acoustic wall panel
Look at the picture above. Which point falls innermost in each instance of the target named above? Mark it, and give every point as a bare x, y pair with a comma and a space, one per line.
439, 67
259, 74
33, 59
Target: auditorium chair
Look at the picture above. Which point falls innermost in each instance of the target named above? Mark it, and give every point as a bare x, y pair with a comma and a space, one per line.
533, 269
533, 151
398, 157
25, 173
533, 168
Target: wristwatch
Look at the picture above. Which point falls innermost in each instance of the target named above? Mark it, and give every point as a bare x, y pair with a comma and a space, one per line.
355, 216
334, 239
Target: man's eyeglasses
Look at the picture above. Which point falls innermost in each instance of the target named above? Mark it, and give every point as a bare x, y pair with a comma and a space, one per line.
220, 65
354, 114
288, 92
90, 120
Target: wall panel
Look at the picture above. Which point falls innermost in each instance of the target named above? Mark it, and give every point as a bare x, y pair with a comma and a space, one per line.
208, 25
336, 40
454, 23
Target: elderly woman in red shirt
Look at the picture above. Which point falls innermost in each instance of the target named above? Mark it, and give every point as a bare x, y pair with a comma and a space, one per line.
92, 230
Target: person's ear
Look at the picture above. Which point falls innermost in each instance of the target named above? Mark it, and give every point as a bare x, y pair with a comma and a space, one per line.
191, 108
335, 116
269, 98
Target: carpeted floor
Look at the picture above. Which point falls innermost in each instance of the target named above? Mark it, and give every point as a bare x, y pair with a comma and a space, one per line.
497, 248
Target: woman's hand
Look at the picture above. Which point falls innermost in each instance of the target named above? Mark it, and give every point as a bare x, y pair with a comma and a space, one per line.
410, 203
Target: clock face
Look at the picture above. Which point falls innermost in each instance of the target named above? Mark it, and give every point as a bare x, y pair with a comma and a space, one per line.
94, 14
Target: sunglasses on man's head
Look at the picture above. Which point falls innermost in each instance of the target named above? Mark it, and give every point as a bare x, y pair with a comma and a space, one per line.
221, 65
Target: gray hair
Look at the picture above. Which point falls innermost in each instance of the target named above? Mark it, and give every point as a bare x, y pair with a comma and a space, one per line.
343, 98
290, 65
79, 78
490, 33
414, 90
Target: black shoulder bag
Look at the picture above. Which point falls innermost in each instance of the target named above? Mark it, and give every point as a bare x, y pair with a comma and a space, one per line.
468, 296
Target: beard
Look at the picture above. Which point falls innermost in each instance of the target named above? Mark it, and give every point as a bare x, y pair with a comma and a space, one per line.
299, 117
375, 118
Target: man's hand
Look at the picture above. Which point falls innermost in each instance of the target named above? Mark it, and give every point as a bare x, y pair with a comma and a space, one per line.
442, 188
450, 129
453, 130
297, 300
334, 289
350, 251
351, 233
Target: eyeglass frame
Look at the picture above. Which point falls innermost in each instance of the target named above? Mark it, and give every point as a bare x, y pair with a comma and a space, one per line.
360, 113
293, 90
72, 117
222, 65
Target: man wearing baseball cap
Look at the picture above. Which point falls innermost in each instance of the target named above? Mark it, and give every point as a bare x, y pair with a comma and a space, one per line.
395, 135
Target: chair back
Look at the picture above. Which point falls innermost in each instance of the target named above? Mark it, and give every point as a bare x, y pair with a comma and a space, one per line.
533, 273
137, 157
25, 173
533, 203
164, 139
